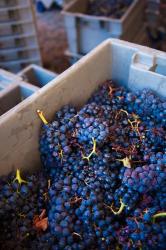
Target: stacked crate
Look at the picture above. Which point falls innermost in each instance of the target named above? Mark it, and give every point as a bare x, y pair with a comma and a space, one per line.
86, 31
156, 22
18, 39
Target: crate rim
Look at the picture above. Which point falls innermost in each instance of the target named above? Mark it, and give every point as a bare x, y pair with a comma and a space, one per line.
66, 11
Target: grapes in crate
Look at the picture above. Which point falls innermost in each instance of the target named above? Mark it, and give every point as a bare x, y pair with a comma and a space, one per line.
103, 179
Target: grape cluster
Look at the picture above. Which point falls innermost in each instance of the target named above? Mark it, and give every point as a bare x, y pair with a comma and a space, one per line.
20, 201
143, 179
92, 122
102, 185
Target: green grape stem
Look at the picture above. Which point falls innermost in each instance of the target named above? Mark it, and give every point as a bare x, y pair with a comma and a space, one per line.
122, 206
92, 152
158, 215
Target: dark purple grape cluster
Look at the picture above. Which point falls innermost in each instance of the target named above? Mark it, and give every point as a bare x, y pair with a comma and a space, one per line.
145, 178
91, 127
103, 178
108, 8
56, 137
20, 201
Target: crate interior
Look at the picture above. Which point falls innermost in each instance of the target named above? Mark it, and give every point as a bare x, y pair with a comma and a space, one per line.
37, 76
160, 69
13, 97
4, 80
79, 6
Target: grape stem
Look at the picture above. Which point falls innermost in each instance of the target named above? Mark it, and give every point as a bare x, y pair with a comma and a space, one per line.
22, 215
92, 152
78, 235
122, 206
60, 151
158, 215
121, 111
41, 116
18, 177
49, 183
126, 162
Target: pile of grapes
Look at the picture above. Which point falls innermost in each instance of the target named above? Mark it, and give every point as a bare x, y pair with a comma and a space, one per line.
108, 8
102, 185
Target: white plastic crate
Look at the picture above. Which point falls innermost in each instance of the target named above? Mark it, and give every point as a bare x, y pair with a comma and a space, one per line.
14, 95
12, 90
16, 88
133, 66
85, 32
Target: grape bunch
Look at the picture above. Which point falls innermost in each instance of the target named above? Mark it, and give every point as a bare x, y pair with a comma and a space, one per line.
20, 202
102, 182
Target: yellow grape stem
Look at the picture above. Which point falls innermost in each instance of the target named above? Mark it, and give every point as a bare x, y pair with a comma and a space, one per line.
41, 116
18, 177
126, 162
158, 215
122, 206
92, 152
124, 111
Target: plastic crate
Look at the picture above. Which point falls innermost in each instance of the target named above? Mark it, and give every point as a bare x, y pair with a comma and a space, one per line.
85, 32
14, 95
37, 75
130, 65
15, 88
